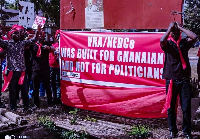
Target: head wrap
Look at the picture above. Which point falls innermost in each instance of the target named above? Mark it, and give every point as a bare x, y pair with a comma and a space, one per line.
11, 32
17, 27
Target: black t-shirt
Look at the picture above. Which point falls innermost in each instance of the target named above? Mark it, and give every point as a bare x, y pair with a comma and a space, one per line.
173, 66
42, 62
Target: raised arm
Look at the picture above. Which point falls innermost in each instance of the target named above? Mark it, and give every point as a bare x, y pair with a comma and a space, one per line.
192, 36
163, 40
31, 40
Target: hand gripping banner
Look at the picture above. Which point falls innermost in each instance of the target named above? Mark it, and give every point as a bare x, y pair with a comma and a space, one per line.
115, 73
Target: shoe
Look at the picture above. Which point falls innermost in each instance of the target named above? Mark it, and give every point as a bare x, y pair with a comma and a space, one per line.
188, 136
172, 134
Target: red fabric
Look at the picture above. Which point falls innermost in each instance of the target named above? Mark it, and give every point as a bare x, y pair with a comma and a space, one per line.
7, 81
4, 38
52, 58
21, 79
8, 78
168, 98
39, 50
198, 54
180, 53
137, 102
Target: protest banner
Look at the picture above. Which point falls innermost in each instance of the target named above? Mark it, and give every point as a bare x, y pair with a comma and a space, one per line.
39, 21
116, 73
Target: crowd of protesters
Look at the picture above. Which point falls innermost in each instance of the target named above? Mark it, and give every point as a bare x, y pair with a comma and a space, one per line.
30, 62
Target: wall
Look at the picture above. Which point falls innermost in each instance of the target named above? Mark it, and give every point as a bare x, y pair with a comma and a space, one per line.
123, 14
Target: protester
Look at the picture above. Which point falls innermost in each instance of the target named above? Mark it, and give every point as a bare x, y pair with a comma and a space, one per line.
21, 30
2, 105
177, 72
28, 60
198, 64
40, 68
16, 67
55, 70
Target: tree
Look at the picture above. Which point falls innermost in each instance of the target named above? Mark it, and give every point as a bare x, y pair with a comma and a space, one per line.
50, 9
192, 15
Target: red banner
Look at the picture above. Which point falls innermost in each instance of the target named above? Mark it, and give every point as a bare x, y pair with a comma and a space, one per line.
116, 73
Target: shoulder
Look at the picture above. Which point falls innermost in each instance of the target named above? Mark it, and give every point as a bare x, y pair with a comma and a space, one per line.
186, 42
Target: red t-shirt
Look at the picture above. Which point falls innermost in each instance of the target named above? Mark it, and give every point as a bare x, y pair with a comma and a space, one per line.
52, 58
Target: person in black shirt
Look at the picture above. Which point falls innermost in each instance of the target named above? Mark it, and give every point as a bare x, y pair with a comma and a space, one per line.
177, 73
40, 68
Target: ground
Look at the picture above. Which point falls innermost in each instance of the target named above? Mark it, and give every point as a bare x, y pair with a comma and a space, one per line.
104, 126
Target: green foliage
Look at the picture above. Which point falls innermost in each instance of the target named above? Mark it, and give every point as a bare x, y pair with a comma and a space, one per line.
74, 116
139, 131
192, 15
74, 112
88, 118
74, 135
46, 122
50, 8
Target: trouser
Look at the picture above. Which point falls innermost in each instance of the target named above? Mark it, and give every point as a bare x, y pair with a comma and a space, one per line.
42, 90
55, 82
28, 75
37, 77
13, 87
181, 88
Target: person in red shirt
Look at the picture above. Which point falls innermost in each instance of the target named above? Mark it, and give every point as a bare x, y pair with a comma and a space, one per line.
55, 70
